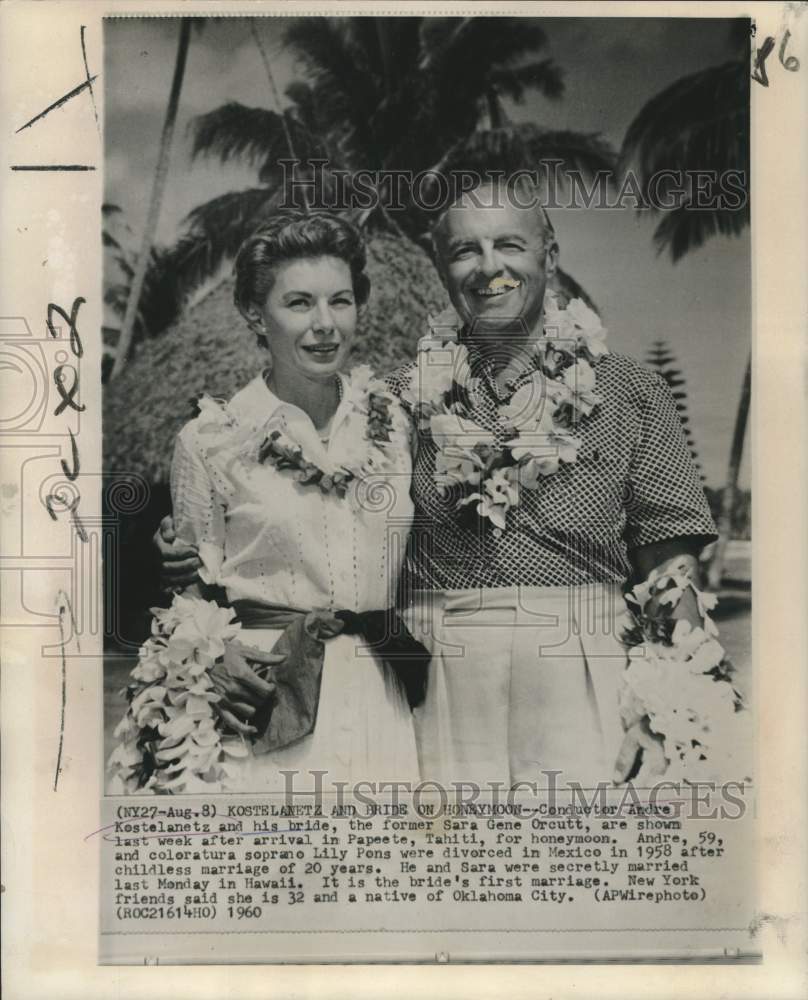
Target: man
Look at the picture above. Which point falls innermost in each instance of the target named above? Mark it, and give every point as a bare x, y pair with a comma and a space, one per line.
524, 623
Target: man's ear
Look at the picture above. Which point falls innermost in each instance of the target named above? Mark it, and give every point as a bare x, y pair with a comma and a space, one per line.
440, 264
551, 259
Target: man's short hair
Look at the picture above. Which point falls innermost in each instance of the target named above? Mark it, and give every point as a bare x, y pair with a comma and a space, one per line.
519, 190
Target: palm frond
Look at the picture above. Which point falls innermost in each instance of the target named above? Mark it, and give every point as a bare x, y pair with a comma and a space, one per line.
461, 57
342, 79
699, 122
234, 131
214, 231
305, 106
524, 146
462, 45
683, 229
108, 240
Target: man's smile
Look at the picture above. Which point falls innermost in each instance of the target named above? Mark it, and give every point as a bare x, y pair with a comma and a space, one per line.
496, 288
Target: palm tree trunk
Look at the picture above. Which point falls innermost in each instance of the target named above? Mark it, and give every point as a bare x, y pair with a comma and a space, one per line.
158, 190
276, 97
728, 500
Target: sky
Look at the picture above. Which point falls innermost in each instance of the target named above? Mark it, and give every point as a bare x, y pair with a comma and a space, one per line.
612, 66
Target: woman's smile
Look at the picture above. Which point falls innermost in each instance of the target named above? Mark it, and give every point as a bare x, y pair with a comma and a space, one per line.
323, 353
310, 318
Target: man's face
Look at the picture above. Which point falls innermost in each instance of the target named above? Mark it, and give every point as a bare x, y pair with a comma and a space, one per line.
495, 267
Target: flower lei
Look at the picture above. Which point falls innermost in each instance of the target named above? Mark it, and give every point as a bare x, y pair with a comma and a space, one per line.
679, 678
535, 423
369, 398
171, 739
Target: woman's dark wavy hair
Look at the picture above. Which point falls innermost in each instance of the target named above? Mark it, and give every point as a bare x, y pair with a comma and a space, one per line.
294, 235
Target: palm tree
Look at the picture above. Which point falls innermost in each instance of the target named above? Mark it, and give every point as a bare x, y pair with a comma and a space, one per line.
160, 299
730, 491
158, 189
410, 93
662, 359
701, 122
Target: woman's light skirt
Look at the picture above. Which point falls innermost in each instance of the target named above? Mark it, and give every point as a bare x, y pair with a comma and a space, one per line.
364, 729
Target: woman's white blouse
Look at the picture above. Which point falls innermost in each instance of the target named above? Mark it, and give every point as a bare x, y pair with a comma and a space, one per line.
265, 537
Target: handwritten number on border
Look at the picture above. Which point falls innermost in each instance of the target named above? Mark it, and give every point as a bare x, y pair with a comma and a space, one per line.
790, 63
67, 399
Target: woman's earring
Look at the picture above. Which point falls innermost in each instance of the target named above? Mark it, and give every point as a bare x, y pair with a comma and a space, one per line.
258, 327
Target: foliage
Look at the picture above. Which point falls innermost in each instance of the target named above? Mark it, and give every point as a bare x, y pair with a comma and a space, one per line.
375, 93
662, 359
741, 517
698, 123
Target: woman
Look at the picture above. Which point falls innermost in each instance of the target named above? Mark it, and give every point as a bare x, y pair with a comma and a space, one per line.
296, 494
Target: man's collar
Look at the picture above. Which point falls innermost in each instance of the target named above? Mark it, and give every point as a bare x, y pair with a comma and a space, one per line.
482, 367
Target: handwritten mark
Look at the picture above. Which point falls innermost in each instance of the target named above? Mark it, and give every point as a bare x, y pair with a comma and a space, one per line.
792, 63
75, 340
761, 55
87, 85
50, 166
89, 78
72, 474
63, 603
67, 395
70, 506
179, 833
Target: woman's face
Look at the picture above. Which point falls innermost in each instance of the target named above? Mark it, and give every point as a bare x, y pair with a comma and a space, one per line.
310, 317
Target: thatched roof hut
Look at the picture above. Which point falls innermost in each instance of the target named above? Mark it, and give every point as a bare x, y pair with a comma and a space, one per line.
211, 350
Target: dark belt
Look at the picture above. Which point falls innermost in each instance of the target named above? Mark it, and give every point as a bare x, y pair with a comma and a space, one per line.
292, 711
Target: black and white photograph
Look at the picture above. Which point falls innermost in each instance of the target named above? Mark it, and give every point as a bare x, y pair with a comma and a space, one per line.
402, 553
427, 348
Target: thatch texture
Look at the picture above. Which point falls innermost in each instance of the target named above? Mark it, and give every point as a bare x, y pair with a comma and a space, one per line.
211, 350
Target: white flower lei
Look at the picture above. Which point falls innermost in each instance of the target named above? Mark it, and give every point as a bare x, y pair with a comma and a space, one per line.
366, 452
536, 419
362, 455
679, 678
170, 739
